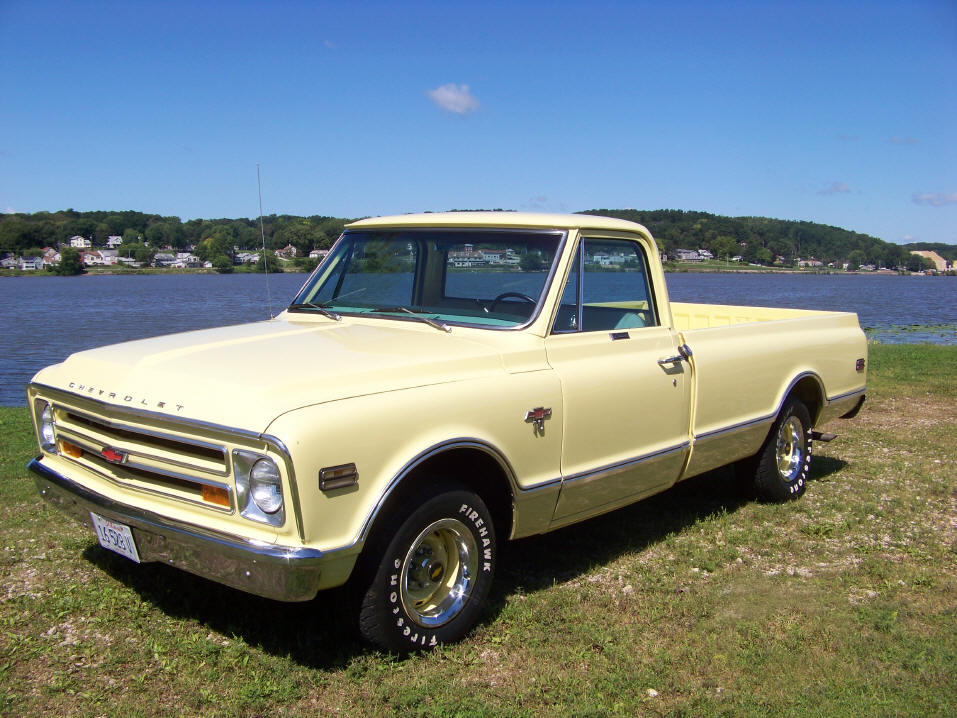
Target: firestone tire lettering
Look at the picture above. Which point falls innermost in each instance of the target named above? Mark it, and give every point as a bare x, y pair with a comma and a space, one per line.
387, 618
788, 446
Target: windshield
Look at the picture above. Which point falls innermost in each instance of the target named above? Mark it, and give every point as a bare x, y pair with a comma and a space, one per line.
483, 278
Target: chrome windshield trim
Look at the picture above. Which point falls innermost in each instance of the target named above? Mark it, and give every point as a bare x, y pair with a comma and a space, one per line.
562, 233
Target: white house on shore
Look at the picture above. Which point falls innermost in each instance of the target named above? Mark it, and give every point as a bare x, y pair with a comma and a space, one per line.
688, 255
30, 264
78, 242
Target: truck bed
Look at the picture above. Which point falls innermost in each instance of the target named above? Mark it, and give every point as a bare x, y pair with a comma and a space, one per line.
707, 316
741, 354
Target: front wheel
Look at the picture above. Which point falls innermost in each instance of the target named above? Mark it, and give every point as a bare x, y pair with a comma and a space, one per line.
429, 583
781, 466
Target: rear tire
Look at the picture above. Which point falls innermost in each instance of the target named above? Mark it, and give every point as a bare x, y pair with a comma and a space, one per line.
781, 466
427, 577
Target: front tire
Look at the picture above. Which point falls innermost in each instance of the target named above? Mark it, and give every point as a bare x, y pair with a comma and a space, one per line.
780, 473
427, 586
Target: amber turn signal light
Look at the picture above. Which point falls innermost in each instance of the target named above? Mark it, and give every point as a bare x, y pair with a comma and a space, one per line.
216, 495
70, 449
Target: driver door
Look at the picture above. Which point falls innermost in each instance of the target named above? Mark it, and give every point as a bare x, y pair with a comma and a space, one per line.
626, 390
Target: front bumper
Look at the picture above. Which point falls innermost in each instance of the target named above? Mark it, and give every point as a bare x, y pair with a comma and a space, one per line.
279, 572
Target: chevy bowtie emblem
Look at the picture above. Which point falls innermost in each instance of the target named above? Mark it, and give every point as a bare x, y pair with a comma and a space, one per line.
537, 417
113, 456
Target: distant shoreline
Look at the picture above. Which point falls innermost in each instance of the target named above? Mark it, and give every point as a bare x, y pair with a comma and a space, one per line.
668, 270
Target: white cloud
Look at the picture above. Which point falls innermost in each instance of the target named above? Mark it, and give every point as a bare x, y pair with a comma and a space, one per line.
454, 98
835, 188
9, 210
902, 141
329, 44
935, 199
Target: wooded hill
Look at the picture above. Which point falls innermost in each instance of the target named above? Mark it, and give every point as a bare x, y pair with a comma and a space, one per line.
756, 239
761, 240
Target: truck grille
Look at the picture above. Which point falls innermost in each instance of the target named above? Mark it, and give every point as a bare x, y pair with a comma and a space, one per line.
142, 457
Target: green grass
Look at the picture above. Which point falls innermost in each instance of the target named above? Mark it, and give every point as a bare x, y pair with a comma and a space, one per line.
695, 602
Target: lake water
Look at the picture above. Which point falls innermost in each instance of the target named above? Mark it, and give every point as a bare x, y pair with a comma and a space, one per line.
47, 318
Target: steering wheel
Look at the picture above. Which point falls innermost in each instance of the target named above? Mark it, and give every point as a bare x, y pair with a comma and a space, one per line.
507, 295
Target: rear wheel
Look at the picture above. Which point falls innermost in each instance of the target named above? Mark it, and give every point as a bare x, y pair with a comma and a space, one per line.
428, 584
781, 466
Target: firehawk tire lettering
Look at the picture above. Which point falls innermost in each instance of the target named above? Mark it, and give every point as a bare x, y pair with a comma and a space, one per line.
429, 583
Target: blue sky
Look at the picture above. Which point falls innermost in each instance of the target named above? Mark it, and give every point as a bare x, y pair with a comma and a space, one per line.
837, 112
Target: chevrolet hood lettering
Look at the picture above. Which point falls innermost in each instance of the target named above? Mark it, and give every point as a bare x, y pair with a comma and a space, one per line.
112, 396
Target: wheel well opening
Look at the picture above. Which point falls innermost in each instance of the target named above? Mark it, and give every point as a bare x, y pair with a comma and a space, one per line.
472, 468
808, 390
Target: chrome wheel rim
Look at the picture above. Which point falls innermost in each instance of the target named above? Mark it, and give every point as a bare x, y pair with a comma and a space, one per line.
790, 449
438, 573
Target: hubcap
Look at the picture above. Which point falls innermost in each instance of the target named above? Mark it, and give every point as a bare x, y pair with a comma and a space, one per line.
790, 449
438, 573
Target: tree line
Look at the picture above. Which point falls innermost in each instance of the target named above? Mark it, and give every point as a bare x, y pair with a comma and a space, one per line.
756, 239
762, 240
22, 233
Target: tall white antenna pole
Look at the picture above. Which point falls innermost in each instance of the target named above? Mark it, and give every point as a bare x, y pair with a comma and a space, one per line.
262, 232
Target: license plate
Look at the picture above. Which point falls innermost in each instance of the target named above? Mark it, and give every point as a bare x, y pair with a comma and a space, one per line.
115, 537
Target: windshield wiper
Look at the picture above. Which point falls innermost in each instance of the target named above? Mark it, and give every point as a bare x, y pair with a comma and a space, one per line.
441, 326
322, 310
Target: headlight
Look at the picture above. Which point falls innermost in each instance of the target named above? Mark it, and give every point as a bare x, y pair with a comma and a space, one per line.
258, 488
45, 425
265, 486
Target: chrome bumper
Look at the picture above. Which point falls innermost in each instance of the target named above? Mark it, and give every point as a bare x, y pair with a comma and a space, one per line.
279, 572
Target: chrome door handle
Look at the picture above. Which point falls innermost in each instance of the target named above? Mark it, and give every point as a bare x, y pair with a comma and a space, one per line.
684, 354
671, 360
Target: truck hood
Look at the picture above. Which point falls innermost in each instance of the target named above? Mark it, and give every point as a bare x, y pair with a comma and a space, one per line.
245, 376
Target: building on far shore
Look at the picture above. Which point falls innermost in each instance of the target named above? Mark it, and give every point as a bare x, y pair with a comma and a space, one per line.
942, 264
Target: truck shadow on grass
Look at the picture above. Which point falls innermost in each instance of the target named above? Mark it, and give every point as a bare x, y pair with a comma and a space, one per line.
318, 633
541, 561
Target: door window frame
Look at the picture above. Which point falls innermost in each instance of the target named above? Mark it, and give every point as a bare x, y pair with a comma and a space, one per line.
578, 265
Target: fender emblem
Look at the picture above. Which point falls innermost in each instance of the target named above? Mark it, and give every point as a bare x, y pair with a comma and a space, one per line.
537, 417
113, 456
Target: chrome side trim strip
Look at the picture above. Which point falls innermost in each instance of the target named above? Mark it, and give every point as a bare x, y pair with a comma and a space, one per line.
627, 464
847, 395
735, 428
769, 417
458, 443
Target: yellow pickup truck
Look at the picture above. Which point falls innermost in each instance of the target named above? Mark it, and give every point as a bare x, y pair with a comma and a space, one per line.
441, 383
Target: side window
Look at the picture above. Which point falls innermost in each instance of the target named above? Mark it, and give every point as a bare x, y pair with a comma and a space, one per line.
614, 287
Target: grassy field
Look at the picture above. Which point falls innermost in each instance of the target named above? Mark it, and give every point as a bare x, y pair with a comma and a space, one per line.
696, 602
